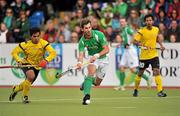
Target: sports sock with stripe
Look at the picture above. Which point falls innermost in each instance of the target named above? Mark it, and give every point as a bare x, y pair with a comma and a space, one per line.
88, 84
19, 87
26, 87
158, 81
121, 77
137, 82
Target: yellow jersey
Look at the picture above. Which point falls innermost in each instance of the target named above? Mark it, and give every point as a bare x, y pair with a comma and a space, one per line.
34, 53
147, 38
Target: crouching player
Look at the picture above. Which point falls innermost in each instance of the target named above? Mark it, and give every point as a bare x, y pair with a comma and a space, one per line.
34, 51
95, 43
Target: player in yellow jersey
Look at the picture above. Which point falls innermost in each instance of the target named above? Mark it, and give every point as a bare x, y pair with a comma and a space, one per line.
148, 37
34, 51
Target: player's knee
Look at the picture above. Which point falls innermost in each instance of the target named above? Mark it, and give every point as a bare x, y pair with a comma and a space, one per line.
140, 72
91, 69
156, 72
30, 76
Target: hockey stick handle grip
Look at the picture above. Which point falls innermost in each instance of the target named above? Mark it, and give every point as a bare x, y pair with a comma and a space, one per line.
18, 66
146, 48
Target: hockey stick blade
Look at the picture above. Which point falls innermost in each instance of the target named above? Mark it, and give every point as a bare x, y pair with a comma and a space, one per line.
59, 75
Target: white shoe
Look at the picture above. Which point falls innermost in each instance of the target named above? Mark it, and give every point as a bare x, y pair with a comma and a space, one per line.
117, 88
122, 88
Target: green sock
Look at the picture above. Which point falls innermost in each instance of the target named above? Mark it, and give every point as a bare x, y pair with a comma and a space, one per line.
136, 72
88, 84
121, 78
144, 76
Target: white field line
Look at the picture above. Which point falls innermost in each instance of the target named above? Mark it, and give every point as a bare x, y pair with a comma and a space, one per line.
95, 99
124, 107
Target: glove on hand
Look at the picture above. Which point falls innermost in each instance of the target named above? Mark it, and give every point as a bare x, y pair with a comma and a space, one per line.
43, 63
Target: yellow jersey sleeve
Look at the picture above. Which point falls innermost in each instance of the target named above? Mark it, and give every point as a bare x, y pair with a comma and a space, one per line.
16, 51
51, 51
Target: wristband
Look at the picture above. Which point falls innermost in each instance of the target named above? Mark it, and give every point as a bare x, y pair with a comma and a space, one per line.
46, 60
79, 62
97, 55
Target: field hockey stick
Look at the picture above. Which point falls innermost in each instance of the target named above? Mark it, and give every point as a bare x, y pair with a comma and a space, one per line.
114, 45
18, 66
59, 75
146, 48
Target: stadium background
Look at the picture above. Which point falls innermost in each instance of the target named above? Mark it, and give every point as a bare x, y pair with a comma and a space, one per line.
62, 97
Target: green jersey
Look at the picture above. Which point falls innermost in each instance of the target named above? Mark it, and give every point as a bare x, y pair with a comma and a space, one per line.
93, 45
126, 34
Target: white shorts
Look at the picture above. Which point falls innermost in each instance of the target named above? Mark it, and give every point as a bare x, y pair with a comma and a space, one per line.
101, 67
130, 58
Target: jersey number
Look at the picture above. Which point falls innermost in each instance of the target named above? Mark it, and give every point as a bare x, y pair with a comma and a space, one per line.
141, 65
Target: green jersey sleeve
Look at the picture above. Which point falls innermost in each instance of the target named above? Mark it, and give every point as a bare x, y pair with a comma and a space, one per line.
130, 31
102, 39
81, 45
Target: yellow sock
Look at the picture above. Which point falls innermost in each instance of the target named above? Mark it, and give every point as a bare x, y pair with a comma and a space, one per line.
137, 82
19, 87
158, 81
26, 87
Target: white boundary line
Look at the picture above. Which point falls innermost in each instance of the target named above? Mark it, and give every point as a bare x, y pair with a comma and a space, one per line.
95, 99
124, 107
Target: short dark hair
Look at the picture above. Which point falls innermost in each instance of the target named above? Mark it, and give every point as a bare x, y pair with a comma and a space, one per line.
84, 21
149, 15
34, 30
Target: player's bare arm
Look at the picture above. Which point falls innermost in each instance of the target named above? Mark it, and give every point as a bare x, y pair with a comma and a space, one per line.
103, 52
80, 60
137, 43
160, 43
